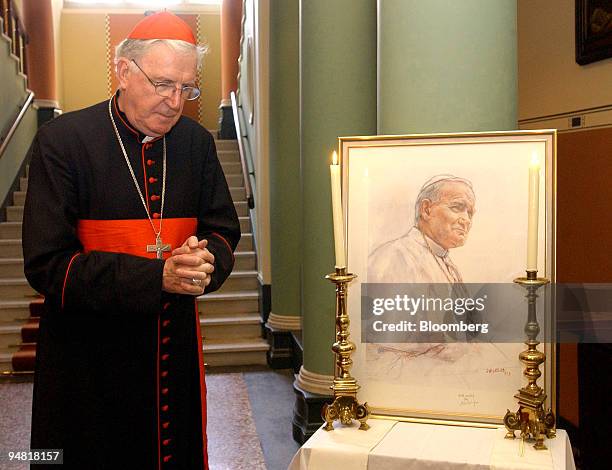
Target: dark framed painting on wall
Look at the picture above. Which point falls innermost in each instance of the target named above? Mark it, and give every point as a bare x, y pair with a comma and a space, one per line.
593, 30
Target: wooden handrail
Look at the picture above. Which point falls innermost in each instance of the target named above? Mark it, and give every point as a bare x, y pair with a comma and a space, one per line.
11, 132
243, 163
6, 14
14, 29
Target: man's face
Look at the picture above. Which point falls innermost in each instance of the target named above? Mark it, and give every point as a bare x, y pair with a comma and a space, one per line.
150, 113
448, 220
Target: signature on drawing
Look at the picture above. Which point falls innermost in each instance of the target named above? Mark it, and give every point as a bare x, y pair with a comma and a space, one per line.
467, 399
498, 370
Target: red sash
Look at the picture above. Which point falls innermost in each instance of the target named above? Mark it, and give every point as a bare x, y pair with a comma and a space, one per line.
132, 236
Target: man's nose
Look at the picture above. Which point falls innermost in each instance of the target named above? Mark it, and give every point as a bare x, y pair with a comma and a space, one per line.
176, 99
464, 219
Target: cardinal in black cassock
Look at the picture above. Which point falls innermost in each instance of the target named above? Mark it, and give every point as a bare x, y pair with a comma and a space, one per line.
119, 375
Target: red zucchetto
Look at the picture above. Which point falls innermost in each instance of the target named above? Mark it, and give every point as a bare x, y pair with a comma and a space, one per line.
163, 25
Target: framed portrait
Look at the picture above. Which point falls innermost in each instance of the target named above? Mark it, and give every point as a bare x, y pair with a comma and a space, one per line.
593, 30
385, 184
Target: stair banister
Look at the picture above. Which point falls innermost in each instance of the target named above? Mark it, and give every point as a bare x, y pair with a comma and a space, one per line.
245, 169
6, 140
14, 30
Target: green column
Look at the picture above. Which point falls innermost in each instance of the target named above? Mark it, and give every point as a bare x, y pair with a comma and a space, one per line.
447, 65
285, 205
338, 97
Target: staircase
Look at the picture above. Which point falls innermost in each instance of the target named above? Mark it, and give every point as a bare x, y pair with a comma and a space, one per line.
15, 295
230, 320
18, 321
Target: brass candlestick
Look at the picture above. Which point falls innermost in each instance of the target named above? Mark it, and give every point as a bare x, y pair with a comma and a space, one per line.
345, 406
530, 419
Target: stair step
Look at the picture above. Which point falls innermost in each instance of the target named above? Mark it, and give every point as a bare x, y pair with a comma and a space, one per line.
246, 242
231, 168
231, 328
245, 225
16, 288
235, 353
228, 156
10, 338
6, 362
240, 281
13, 230
24, 360
241, 208
15, 213
19, 198
11, 267
12, 310
23, 184
227, 346
244, 260
234, 181
29, 331
247, 319
11, 248
238, 194
226, 144
222, 303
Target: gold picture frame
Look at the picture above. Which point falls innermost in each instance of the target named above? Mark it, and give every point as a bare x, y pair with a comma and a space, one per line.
381, 176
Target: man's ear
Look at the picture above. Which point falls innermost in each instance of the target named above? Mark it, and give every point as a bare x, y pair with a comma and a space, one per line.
425, 209
122, 71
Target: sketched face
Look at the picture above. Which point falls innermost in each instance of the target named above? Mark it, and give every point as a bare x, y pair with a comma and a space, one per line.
448, 220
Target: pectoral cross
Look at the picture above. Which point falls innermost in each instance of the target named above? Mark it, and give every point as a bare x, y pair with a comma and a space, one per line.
159, 247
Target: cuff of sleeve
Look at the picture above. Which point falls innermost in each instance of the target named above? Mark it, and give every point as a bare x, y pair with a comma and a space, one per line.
102, 283
224, 262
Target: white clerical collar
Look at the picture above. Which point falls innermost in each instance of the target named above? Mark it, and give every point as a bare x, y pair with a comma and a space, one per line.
433, 246
147, 138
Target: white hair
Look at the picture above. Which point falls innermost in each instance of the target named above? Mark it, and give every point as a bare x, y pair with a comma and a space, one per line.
134, 49
432, 190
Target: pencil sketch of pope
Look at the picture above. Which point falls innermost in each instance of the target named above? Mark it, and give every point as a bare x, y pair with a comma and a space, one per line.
444, 209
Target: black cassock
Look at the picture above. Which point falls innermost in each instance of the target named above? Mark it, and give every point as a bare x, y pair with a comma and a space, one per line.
119, 374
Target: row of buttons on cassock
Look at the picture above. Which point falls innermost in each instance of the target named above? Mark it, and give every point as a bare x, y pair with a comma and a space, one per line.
163, 405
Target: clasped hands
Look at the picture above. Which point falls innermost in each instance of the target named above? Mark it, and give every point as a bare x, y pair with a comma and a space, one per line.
188, 269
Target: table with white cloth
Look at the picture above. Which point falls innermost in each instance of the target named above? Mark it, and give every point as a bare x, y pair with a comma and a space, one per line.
395, 445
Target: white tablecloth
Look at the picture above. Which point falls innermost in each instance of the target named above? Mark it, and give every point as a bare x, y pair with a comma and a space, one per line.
392, 445
343, 448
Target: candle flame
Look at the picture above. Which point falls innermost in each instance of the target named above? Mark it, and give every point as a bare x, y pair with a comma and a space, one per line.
535, 160
334, 158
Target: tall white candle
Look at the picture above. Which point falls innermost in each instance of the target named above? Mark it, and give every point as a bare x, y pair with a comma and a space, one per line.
532, 220
334, 170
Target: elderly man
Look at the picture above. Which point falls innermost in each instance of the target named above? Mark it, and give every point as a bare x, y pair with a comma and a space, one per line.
443, 217
128, 218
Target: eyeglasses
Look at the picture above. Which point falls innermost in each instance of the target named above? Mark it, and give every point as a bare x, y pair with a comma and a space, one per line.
167, 90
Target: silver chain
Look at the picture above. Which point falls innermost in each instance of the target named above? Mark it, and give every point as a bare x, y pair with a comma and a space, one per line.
142, 199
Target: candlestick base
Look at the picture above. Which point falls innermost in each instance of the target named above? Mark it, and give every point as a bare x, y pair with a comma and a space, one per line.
345, 406
531, 419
